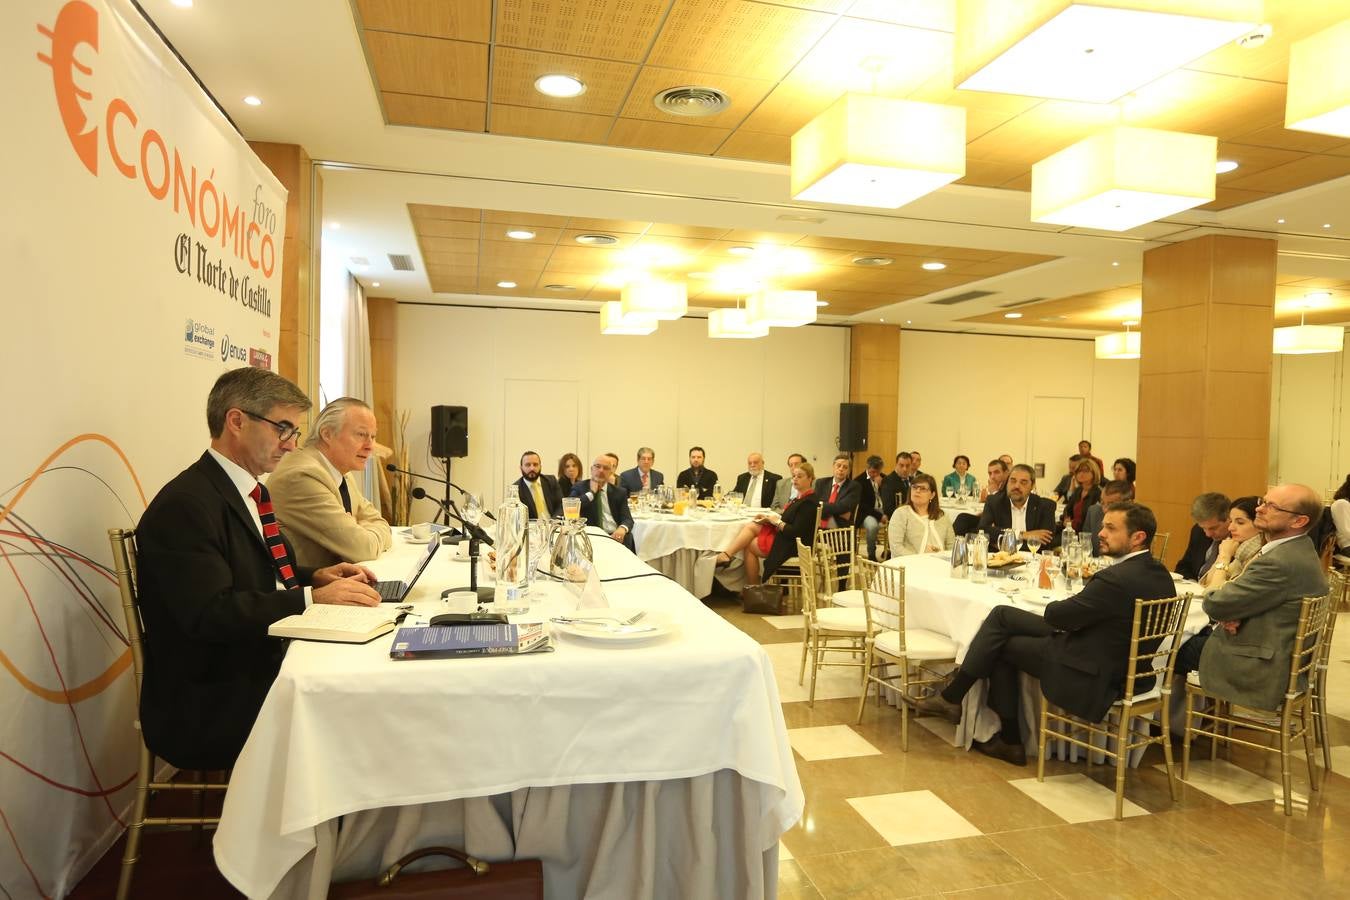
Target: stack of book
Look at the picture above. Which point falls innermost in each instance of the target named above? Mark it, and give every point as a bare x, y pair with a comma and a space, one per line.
483, 639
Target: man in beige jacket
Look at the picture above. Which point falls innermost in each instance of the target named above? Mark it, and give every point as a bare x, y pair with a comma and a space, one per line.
319, 506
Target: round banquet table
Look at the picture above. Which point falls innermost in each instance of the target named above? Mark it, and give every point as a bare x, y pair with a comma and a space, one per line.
684, 548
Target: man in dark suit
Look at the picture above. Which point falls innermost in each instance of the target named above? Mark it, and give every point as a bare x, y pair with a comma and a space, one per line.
696, 476
838, 496
605, 505
1016, 507
1079, 649
642, 476
538, 491
215, 572
755, 484
1210, 514
871, 511
895, 486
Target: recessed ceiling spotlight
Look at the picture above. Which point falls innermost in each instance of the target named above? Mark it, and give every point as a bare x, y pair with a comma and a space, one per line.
822, 303
1253, 39
1316, 298
1225, 165
520, 234
1115, 262
596, 240
506, 284
1012, 315
872, 261
374, 284
741, 251
810, 220
883, 320
557, 85
908, 322
560, 287
934, 266
1326, 224
1052, 318
334, 226
1279, 221
252, 100
182, 4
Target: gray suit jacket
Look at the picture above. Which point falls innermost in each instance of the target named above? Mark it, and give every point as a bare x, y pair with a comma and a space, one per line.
1251, 667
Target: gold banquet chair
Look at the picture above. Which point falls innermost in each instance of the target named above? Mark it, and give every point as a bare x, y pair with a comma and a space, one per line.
1340, 583
1155, 635
123, 542
1159, 545
1295, 714
837, 549
828, 629
908, 650
789, 574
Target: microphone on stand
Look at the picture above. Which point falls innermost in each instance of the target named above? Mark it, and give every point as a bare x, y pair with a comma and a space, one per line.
453, 512
393, 468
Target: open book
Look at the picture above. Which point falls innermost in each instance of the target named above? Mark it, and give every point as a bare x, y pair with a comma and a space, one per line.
345, 624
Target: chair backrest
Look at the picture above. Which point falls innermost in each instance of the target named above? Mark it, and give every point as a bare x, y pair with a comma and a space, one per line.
1327, 551
1159, 545
1339, 582
1308, 637
837, 549
1155, 634
806, 561
883, 590
123, 542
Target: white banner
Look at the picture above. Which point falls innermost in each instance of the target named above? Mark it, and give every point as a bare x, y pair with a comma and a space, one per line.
142, 243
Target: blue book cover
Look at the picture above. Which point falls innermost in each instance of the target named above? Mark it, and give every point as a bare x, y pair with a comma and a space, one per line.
469, 639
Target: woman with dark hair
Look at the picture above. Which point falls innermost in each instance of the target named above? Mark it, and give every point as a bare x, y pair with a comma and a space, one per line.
1241, 545
1340, 514
773, 537
569, 470
960, 476
1123, 470
1086, 491
921, 526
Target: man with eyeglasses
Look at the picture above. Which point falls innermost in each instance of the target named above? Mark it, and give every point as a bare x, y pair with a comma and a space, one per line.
1245, 658
316, 493
605, 505
215, 572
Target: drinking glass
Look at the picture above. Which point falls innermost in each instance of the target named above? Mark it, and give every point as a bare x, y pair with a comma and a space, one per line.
539, 531
571, 507
1034, 545
947, 491
473, 508
1007, 541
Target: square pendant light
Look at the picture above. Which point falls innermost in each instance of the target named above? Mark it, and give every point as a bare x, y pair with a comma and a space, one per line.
1122, 177
1118, 345
1319, 83
734, 323
1299, 340
1095, 51
781, 309
613, 321
878, 151
655, 298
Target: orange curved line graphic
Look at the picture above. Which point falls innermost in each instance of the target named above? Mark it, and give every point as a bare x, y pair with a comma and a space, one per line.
77, 439
91, 688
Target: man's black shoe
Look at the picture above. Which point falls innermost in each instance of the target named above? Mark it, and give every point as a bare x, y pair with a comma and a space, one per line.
1001, 749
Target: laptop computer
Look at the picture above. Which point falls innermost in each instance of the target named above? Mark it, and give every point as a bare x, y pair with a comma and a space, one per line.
395, 591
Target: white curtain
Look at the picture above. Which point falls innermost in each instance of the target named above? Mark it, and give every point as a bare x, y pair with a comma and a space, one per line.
344, 348
356, 374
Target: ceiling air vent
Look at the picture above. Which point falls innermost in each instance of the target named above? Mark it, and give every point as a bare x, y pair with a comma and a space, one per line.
560, 287
1020, 303
962, 298
872, 261
401, 262
691, 101
596, 240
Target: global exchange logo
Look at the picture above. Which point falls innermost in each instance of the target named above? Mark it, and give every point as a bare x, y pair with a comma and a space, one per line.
199, 340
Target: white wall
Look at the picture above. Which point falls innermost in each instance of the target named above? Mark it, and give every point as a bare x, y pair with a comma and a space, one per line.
1310, 430
668, 390
974, 394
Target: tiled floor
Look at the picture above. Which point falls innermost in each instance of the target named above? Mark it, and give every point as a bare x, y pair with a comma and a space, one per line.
938, 821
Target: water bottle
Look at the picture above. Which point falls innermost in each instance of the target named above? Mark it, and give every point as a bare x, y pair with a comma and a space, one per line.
979, 558
960, 557
512, 548
1067, 540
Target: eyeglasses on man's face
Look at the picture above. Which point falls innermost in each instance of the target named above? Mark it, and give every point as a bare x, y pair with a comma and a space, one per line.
285, 430
1269, 505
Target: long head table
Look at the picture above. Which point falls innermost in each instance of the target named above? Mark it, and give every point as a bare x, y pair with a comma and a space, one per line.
345, 728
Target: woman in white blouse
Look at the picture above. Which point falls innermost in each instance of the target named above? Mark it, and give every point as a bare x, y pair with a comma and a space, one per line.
921, 526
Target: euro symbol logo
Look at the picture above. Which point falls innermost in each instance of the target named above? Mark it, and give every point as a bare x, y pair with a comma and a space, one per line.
76, 24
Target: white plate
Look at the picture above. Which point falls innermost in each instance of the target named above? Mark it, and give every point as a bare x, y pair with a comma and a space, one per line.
409, 539
722, 517
650, 626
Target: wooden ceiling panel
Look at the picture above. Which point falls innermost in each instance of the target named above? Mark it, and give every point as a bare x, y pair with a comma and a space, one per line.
1205, 103
513, 253
435, 112
602, 29
585, 259
549, 124
771, 148
514, 72
455, 213
1041, 131
432, 67
446, 245
461, 260
1295, 174
688, 247
744, 94
464, 20
990, 174
1279, 136
787, 109
736, 37
447, 228
624, 226
701, 232
529, 220
445, 285
667, 136
1290, 21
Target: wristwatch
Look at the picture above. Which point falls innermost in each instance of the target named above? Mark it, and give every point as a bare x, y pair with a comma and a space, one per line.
1219, 567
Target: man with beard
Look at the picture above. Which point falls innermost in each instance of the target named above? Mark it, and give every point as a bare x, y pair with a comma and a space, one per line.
538, 492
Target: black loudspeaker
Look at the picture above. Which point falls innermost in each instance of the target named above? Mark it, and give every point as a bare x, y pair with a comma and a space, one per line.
852, 426
449, 431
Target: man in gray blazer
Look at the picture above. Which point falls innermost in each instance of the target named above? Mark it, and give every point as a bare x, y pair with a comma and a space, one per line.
642, 476
1245, 659
785, 493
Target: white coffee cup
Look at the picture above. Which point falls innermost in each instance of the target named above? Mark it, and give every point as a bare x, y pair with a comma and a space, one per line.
421, 531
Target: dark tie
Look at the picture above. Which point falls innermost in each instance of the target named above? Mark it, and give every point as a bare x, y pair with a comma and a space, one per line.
346, 495
1210, 555
272, 536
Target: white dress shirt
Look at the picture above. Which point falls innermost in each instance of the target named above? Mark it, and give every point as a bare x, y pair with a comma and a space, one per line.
1019, 516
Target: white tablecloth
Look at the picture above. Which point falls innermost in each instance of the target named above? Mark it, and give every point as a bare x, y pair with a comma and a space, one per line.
680, 547
346, 729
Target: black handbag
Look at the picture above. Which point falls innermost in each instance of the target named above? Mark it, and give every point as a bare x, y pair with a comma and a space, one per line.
763, 598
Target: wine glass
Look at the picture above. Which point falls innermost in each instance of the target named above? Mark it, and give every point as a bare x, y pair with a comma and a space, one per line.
473, 509
539, 530
1034, 545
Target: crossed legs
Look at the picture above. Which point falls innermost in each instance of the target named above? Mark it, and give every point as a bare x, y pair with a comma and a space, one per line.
746, 539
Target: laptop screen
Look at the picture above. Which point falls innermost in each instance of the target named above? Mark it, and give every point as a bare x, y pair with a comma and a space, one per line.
432, 546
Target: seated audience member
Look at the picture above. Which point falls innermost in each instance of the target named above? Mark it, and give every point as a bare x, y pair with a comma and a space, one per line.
1340, 515
838, 496
322, 510
1007, 460
1085, 451
916, 459
871, 512
1112, 492
614, 469
1079, 648
786, 491
1210, 514
756, 485
605, 505
1084, 493
539, 492
1123, 470
215, 572
998, 474
642, 477
895, 486
1245, 659
1020, 509
921, 526
960, 476
1066, 482
569, 472
773, 537
696, 476
1240, 547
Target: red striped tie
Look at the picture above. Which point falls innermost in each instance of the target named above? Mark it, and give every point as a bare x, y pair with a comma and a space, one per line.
272, 536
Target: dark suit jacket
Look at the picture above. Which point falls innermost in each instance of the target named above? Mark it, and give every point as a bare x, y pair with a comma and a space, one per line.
631, 480
1197, 548
552, 496
704, 481
618, 508
845, 502
768, 484
800, 519
1094, 495
207, 594
997, 515
867, 498
894, 492
1086, 658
